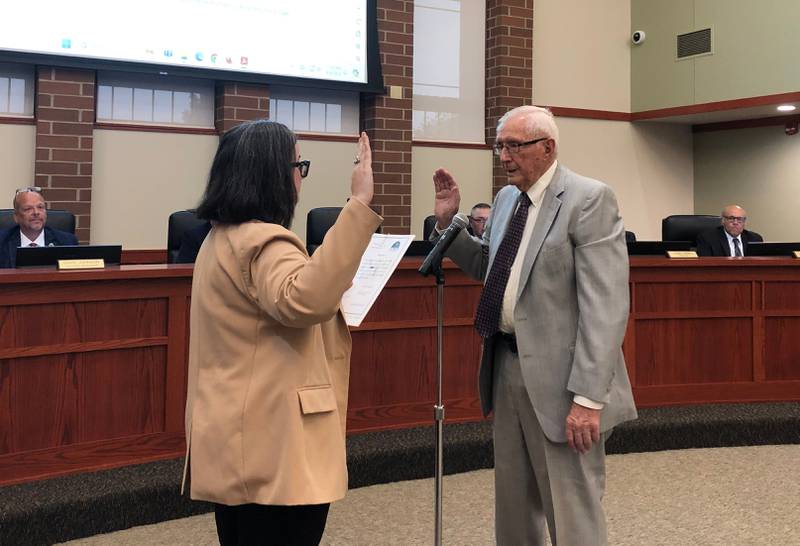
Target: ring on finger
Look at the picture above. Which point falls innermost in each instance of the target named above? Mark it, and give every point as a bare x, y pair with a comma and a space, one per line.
357, 160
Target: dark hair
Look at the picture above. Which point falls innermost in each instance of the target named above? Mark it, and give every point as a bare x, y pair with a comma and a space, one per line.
251, 177
482, 206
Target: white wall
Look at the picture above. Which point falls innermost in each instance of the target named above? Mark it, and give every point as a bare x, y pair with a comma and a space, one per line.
758, 169
139, 178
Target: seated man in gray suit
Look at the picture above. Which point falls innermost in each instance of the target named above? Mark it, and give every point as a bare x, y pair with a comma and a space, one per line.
30, 214
729, 239
552, 313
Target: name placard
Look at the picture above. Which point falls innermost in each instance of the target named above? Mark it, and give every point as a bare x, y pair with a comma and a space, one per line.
93, 263
796, 253
681, 254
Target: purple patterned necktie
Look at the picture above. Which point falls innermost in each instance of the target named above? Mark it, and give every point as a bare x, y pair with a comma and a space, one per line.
487, 318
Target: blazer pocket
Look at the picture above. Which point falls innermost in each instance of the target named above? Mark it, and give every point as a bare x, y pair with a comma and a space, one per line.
317, 399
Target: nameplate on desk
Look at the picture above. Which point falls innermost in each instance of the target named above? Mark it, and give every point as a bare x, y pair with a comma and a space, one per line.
681, 254
796, 253
89, 263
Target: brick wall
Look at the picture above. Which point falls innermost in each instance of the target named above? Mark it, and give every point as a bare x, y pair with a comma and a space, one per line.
238, 102
509, 66
387, 120
64, 127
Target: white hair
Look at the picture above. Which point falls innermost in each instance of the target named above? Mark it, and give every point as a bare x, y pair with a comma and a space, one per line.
539, 121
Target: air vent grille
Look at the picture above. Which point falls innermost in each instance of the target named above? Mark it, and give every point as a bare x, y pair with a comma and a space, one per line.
694, 43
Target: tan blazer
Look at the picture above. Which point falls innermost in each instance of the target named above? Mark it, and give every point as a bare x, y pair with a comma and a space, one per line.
269, 363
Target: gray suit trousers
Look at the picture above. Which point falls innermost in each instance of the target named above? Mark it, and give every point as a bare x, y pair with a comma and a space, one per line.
538, 481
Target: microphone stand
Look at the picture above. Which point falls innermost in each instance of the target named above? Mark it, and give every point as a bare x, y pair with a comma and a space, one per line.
438, 409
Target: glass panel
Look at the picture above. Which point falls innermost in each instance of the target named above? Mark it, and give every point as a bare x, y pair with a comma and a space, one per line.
4, 82
122, 103
162, 106
143, 104
285, 113
317, 117
104, 94
333, 118
300, 116
181, 107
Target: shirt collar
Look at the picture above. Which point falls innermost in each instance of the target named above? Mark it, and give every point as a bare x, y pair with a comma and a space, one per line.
24, 241
536, 192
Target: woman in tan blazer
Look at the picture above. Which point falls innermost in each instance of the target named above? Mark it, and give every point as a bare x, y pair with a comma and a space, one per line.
269, 351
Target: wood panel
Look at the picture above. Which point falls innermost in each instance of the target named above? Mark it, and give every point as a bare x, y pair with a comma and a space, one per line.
725, 297
782, 348
687, 351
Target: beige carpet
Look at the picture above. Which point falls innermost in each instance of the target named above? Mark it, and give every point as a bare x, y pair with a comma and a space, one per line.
734, 496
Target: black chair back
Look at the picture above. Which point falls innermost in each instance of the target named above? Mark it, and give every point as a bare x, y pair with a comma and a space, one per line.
630, 237
427, 227
318, 222
686, 227
62, 220
179, 223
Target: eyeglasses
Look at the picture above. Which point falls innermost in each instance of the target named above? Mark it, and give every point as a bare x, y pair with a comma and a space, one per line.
34, 189
478, 219
304, 166
740, 219
513, 147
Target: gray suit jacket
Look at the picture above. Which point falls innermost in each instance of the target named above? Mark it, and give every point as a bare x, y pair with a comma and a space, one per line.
572, 303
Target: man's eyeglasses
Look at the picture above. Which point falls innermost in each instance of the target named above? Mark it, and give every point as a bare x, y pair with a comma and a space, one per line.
477, 219
740, 219
304, 166
513, 147
35, 189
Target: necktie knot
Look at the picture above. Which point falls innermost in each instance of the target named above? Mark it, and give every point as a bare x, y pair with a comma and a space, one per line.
33, 244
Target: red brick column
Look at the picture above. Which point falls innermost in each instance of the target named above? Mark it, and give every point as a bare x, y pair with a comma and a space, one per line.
387, 120
509, 66
64, 127
238, 102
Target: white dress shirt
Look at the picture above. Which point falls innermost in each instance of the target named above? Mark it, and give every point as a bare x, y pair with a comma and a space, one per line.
731, 248
24, 241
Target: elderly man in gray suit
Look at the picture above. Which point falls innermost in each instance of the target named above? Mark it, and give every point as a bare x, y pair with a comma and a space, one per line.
553, 313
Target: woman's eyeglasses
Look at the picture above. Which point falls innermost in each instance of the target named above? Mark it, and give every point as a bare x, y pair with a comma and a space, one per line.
304, 166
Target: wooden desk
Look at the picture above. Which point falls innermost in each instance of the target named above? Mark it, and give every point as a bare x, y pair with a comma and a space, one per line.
714, 330
93, 363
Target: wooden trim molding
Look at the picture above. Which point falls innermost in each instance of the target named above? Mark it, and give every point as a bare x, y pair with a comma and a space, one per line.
457, 145
733, 104
154, 128
609, 115
745, 123
17, 120
326, 138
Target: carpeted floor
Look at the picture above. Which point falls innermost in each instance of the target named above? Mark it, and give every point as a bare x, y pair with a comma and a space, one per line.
735, 496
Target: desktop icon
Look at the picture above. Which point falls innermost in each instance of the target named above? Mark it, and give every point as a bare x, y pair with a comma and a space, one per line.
213, 57
198, 56
66, 43
167, 53
229, 60
243, 61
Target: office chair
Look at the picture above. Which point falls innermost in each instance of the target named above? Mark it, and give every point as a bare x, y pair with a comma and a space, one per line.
62, 220
318, 222
686, 227
179, 223
427, 227
630, 237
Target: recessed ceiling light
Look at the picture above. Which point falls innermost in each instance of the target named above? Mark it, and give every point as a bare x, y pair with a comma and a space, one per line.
786, 108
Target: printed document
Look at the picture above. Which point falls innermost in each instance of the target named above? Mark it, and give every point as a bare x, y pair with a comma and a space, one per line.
377, 265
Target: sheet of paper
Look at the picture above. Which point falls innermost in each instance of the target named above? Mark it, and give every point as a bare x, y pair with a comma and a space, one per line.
377, 265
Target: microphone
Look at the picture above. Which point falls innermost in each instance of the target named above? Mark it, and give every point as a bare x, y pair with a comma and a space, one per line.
447, 237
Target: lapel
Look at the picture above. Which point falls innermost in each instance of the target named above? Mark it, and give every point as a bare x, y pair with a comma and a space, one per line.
725, 247
501, 216
544, 221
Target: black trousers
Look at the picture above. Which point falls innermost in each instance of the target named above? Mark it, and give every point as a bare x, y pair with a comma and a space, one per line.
260, 525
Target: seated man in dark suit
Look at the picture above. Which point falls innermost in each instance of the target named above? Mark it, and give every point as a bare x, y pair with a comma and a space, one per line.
30, 214
478, 217
729, 239
191, 242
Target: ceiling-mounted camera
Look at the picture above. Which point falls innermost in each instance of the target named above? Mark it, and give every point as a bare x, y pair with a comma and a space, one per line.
637, 37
